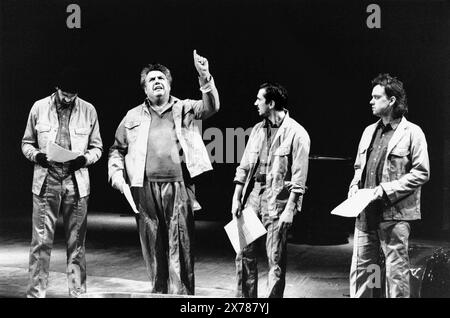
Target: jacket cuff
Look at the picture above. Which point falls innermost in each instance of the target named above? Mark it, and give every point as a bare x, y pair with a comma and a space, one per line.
295, 187
390, 193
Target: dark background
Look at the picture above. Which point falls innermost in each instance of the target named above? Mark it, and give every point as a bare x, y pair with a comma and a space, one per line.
321, 51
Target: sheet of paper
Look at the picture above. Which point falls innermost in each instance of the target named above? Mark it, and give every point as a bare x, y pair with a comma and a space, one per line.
59, 154
354, 205
127, 193
245, 229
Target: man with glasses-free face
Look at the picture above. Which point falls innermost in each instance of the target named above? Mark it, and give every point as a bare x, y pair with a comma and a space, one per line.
392, 159
60, 187
157, 151
270, 180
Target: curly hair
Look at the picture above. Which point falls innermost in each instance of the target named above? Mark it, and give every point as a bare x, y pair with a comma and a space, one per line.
393, 87
155, 67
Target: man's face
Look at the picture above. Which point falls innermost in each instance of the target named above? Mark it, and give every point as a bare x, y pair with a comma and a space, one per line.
156, 85
261, 104
381, 103
66, 98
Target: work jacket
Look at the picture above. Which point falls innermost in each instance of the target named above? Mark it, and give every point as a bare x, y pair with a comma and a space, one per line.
287, 164
406, 168
42, 128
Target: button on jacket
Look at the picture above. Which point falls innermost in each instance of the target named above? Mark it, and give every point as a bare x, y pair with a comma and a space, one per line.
42, 127
287, 163
406, 168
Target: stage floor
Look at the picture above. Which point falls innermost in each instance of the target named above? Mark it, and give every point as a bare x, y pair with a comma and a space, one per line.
115, 264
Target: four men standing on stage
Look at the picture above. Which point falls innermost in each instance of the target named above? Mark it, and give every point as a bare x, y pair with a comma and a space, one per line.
158, 150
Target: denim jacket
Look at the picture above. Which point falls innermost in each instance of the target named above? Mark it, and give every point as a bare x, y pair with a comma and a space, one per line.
406, 168
128, 153
287, 164
42, 127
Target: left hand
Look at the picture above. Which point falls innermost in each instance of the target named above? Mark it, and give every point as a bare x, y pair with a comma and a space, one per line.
202, 66
378, 193
286, 218
77, 163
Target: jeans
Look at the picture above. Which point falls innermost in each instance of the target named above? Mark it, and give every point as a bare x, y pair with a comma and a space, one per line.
58, 197
392, 237
276, 250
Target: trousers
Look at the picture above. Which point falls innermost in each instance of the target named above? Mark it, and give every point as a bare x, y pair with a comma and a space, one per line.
275, 247
365, 273
58, 196
166, 226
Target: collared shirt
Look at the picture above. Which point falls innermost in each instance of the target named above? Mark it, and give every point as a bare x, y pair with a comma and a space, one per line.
127, 156
406, 168
42, 127
60, 171
373, 173
270, 131
287, 164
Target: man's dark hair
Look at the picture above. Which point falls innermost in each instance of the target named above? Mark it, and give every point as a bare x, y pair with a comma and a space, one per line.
393, 87
69, 79
277, 93
155, 67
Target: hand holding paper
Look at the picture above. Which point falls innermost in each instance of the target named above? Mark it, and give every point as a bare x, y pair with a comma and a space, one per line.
355, 204
245, 229
59, 154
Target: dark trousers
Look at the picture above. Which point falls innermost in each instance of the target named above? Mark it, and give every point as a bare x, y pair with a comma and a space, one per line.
166, 227
58, 197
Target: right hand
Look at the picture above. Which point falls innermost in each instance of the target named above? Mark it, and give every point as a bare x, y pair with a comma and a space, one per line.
352, 191
236, 208
41, 159
202, 66
118, 184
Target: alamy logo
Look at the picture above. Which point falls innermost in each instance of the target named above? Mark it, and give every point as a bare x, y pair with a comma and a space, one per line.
374, 19
74, 19
374, 279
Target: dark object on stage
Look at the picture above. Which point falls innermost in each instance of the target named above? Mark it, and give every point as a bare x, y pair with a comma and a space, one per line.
327, 186
436, 278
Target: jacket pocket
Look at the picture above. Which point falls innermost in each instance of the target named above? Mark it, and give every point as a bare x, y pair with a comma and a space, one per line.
398, 162
43, 134
132, 128
281, 161
81, 139
42, 128
82, 131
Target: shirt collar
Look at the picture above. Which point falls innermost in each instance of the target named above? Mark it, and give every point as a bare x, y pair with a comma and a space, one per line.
59, 106
160, 111
269, 124
392, 124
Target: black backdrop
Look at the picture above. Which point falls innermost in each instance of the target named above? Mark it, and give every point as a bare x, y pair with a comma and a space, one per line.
322, 51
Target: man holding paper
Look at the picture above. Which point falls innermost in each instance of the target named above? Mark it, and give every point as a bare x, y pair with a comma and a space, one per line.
271, 181
392, 159
157, 149
71, 123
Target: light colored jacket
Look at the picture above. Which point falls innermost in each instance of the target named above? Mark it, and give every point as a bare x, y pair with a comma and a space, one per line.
406, 168
127, 156
287, 165
42, 127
